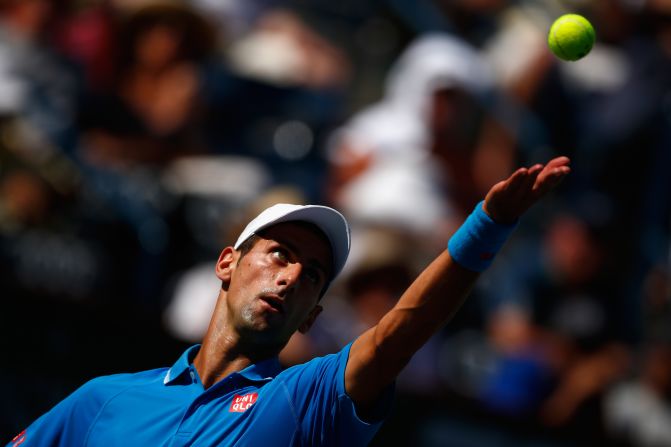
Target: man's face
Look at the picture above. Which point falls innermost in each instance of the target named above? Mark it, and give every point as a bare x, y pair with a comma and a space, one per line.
274, 288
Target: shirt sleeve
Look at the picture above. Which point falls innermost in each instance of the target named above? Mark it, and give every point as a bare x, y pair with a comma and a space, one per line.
66, 424
326, 415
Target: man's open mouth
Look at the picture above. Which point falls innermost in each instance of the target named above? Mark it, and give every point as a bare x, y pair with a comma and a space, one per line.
274, 302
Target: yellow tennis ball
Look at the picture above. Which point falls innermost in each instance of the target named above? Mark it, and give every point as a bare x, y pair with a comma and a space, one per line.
571, 37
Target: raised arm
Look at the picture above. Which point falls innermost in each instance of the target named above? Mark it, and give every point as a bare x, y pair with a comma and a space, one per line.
379, 354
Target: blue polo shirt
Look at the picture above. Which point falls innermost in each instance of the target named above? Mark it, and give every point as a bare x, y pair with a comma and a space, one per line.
304, 405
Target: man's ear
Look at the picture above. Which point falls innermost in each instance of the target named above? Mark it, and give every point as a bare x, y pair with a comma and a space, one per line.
225, 266
309, 321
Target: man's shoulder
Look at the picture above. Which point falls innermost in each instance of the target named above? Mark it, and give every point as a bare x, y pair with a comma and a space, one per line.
317, 366
110, 385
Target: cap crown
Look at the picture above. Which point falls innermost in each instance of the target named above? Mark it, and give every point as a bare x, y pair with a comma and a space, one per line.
330, 221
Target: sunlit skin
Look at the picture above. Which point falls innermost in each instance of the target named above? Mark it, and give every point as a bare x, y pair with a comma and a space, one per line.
267, 295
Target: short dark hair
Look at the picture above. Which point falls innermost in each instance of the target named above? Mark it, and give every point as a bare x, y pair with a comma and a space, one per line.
247, 245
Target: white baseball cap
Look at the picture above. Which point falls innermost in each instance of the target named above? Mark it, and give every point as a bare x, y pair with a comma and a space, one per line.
331, 222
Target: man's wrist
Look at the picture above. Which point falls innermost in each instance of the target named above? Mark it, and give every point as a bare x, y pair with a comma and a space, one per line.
475, 244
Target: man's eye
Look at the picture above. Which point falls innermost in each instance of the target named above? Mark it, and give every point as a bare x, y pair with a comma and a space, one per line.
312, 275
280, 255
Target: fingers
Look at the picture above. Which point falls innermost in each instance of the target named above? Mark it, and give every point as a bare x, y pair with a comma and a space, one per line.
509, 199
517, 180
534, 172
538, 179
558, 162
523, 180
553, 173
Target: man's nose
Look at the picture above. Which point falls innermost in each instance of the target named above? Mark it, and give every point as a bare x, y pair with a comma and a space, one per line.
289, 275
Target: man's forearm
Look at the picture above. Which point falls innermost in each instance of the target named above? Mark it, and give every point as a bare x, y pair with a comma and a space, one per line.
427, 305
430, 301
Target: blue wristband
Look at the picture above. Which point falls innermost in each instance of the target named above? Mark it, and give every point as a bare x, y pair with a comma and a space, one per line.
475, 244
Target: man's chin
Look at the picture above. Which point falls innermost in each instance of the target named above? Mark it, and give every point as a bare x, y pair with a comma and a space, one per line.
265, 323
271, 325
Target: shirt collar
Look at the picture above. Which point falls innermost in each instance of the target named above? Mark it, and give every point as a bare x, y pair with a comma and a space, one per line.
262, 371
265, 370
182, 364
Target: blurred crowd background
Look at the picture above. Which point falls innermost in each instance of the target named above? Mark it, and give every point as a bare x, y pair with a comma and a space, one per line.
138, 137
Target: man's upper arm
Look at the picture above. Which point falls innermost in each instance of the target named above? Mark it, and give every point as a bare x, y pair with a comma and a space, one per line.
66, 424
326, 414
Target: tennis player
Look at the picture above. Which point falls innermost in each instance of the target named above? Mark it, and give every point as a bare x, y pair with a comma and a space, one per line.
231, 391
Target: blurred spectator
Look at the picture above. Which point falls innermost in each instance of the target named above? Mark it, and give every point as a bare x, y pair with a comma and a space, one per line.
237, 16
568, 348
280, 92
147, 115
86, 35
150, 113
574, 295
523, 368
422, 155
475, 20
638, 411
39, 197
575, 408
567, 284
282, 49
36, 83
656, 303
59, 263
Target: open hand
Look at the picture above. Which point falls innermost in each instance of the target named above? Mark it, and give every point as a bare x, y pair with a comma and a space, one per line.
507, 200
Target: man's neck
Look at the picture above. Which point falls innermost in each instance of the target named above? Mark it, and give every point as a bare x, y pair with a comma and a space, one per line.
223, 353
212, 366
